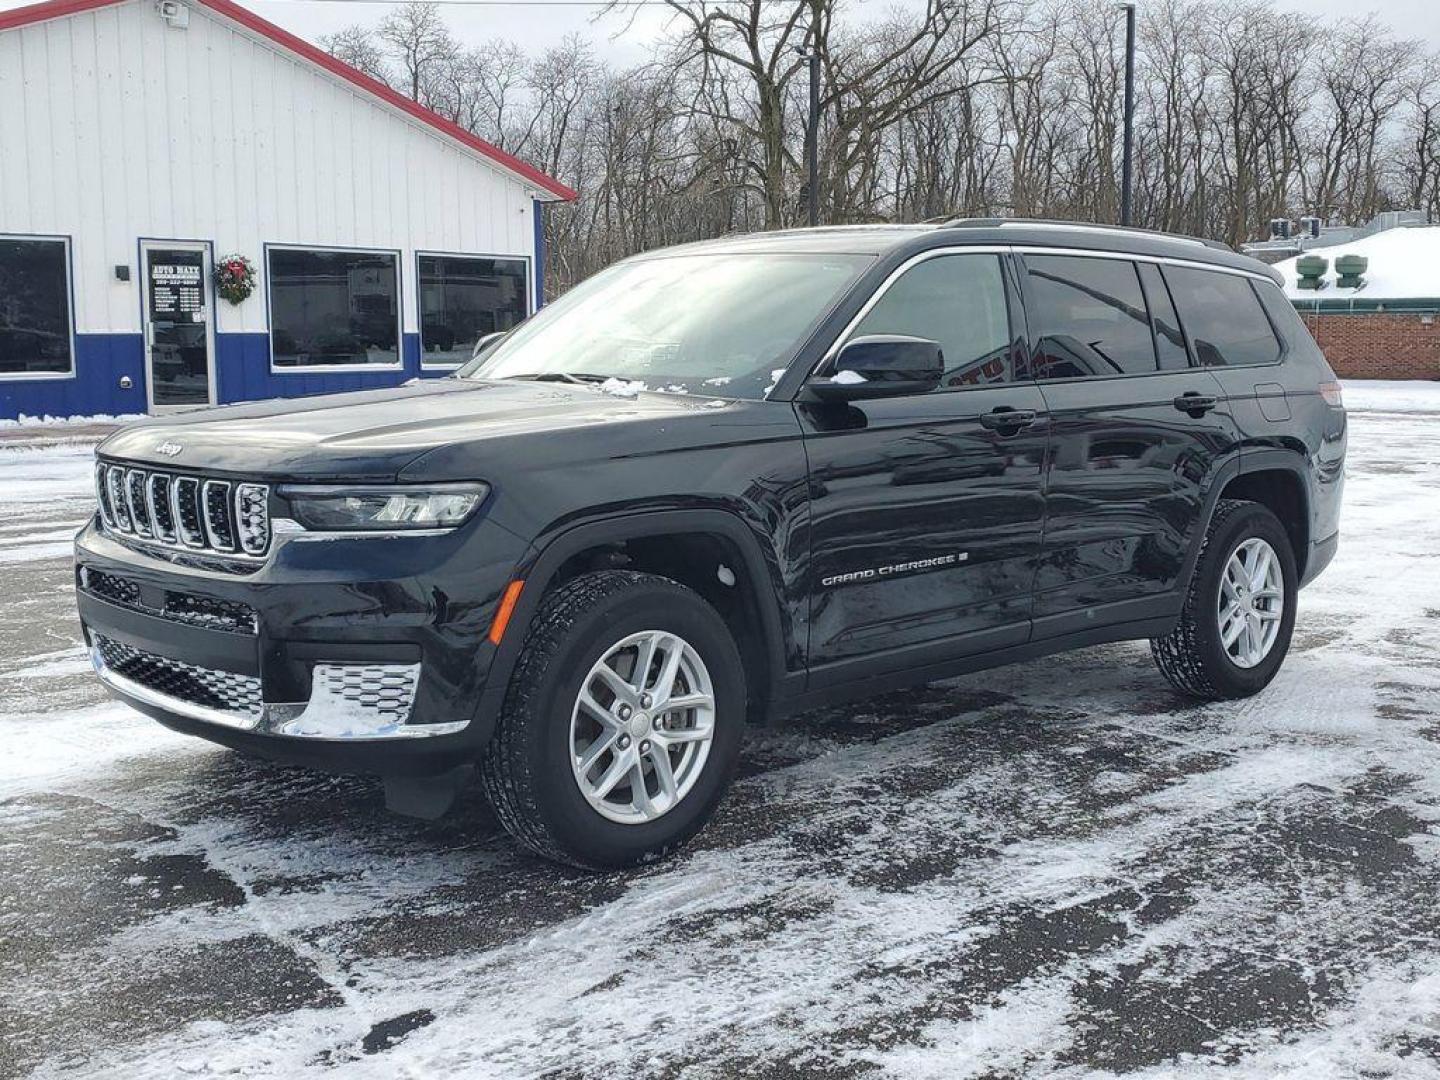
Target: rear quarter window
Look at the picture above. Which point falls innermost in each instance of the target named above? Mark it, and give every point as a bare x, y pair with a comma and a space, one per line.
1223, 315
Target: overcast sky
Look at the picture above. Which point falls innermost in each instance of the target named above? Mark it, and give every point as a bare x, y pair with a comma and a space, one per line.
536, 27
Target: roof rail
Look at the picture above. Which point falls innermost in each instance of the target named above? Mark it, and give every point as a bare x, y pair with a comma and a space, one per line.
1058, 223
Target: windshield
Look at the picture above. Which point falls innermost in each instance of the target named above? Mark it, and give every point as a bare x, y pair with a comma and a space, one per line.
703, 324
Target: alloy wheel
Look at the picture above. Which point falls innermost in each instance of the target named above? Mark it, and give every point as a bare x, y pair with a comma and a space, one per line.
642, 726
1251, 602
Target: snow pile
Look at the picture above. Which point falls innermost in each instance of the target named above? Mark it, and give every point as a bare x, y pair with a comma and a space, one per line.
26, 421
1404, 264
622, 388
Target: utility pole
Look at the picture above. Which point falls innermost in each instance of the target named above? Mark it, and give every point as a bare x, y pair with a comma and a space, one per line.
812, 132
1128, 153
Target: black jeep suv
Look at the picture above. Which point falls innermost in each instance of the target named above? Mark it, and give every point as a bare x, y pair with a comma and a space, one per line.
723, 482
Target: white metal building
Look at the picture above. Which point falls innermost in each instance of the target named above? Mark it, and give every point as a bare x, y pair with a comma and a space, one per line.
140, 142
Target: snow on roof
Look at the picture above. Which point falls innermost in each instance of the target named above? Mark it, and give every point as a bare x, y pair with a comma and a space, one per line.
1404, 265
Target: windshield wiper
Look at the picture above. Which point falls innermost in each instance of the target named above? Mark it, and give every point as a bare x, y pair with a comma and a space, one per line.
580, 377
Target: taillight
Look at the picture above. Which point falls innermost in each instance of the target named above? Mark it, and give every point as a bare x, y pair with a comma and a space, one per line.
1330, 391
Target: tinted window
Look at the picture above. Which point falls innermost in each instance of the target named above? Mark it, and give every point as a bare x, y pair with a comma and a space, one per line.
959, 301
333, 307
1169, 341
463, 299
1088, 317
1224, 318
34, 307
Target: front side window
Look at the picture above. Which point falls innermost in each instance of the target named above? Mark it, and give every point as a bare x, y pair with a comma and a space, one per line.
721, 324
1088, 317
958, 301
333, 308
462, 299
1223, 317
34, 307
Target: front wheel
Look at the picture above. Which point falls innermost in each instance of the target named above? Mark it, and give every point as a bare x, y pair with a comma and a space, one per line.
1235, 628
621, 726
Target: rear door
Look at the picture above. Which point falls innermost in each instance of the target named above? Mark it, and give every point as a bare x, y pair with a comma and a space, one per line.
1136, 433
926, 510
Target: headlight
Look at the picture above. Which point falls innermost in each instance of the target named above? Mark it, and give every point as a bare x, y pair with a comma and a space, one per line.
383, 509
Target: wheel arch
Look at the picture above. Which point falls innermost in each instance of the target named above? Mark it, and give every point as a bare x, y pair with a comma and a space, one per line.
567, 552
1274, 478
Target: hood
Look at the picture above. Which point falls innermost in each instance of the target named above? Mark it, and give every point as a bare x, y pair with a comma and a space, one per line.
372, 434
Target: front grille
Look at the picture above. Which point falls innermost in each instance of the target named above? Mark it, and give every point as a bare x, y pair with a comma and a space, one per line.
192, 513
205, 611
117, 590
223, 690
229, 615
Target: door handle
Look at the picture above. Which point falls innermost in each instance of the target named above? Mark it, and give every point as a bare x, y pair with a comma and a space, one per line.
1007, 421
1196, 405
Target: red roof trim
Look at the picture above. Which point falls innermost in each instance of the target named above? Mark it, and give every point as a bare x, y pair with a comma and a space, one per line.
54, 9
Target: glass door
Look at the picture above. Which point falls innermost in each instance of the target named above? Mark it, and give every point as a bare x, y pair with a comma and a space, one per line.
179, 337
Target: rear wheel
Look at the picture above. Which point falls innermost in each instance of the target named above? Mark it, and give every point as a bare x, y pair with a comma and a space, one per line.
622, 722
1235, 628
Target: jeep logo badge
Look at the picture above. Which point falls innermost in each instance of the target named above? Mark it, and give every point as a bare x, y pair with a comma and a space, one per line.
169, 449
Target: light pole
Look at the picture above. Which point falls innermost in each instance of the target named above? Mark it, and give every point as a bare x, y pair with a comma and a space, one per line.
1126, 163
812, 133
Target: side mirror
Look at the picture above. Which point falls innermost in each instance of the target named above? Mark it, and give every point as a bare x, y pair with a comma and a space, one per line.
881, 365
488, 341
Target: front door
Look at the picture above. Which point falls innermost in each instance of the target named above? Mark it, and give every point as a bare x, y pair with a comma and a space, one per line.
179, 335
927, 510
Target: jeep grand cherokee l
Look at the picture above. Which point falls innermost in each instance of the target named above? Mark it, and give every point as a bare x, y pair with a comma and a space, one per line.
719, 483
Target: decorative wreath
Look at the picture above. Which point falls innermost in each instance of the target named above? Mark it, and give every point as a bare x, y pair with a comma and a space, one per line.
235, 278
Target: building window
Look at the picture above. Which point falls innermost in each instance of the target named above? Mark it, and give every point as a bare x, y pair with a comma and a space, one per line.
34, 307
464, 298
334, 308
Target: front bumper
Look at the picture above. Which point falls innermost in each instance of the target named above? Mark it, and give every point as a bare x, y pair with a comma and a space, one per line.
350, 654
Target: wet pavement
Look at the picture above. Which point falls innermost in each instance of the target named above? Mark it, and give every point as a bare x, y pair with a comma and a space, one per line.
1055, 869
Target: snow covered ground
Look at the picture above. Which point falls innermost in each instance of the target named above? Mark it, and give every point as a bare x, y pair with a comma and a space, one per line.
1055, 869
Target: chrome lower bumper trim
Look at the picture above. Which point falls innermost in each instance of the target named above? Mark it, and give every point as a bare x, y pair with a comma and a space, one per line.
327, 716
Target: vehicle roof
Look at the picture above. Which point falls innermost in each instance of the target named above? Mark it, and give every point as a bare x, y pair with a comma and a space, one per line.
905, 240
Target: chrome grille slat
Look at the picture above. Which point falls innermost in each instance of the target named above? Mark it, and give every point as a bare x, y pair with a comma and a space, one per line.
135, 501
186, 498
102, 494
157, 502
115, 481
194, 513
217, 515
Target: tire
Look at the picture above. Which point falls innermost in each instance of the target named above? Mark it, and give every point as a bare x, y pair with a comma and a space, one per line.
527, 770
1194, 656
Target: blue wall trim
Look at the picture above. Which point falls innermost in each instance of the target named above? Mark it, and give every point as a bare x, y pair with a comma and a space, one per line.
101, 360
242, 370
538, 214
242, 362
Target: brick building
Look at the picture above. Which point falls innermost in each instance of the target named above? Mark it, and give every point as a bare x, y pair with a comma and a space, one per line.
1389, 327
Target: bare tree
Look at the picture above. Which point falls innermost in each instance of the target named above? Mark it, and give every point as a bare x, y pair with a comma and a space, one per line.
421, 42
